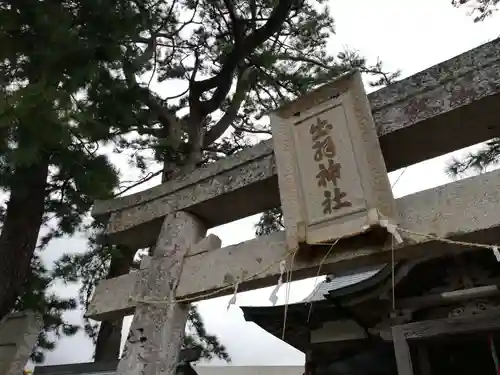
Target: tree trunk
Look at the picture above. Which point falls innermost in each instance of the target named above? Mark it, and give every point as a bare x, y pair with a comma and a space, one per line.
18, 240
107, 347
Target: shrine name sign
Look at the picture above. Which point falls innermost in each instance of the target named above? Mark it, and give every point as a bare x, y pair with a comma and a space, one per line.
331, 173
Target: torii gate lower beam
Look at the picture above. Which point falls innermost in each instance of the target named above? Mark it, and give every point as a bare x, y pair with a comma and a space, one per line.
467, 210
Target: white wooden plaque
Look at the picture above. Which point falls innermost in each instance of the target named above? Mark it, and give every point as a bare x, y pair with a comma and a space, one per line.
332, 176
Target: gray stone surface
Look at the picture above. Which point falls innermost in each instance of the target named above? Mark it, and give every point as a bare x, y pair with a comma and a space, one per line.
467, 210
157, 330
350, 161
18, 337
213, 196
444, 108
127, 284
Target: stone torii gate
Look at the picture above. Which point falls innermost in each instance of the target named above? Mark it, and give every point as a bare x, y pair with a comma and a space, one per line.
444, 108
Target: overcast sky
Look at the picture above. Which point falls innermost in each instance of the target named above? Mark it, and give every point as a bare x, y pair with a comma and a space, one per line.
410, 35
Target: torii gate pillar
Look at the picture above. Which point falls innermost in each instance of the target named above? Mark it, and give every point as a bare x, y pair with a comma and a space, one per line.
157, 331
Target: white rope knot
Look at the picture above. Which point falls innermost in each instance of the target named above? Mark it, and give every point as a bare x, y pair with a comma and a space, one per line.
273, 298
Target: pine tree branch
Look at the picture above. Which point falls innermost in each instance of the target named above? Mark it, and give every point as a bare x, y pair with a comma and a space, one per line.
478, 161
235, 21
227, 119
194, 100
252, 131
288, 57
229, 152
131, 68
168, 120
253, 11
485, 8
277, 83
196, 67
177, 96
222, 81
386, 78
191, 20
147, 55
146, 178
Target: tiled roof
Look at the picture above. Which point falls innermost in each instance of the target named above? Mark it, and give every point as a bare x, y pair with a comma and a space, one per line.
341, 281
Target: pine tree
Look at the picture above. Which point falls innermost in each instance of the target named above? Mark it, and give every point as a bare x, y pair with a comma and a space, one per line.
489, 154
49, 305
235, 60
70, 86
97, 264
481, 9
270, 221
56, 67
60, 104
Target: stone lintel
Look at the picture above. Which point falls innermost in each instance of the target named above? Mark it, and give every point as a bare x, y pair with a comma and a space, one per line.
467, 210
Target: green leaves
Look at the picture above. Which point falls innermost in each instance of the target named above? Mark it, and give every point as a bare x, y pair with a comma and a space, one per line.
198, 337
271, 221
69, 75
62, 97
488, 155
49, 305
